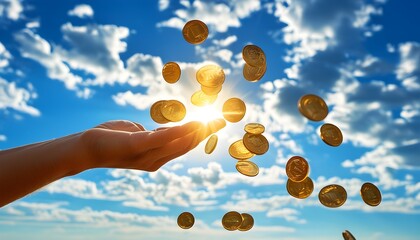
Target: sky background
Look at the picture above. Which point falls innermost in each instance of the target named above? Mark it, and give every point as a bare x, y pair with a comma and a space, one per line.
67, 66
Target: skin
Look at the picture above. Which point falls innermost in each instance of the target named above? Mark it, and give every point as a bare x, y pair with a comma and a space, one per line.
114, 144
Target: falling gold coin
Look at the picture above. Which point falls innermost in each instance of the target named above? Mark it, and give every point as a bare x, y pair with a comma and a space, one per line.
256, 143
254, 74
331, 135
200, 99
348, 236
232, 220
210, 76
195, 32
238, 151
247, 222
371, 194
185, 220
173, 110
332, 196
156, 114
297, 169
171, 72
300, 190
247, 168
234, 110
211, 144
253, 55
211, 90
254, 128
313, 107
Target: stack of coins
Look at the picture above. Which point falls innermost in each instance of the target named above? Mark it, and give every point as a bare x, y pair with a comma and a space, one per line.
165, 111
232, 221
299, 185
211, 78
255, 63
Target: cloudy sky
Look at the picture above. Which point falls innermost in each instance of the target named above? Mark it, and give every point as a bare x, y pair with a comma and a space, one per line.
66, 66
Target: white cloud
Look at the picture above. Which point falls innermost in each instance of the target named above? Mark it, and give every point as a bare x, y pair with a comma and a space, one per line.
164, 4
17, 98
76, 187
5, 57
408, 70
225, 42
33, 24
3, 138
11, 9
81, 11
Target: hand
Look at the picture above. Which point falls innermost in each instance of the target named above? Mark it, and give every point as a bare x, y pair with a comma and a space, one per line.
125, 144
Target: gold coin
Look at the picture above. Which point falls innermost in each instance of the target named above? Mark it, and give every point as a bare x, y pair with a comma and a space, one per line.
331, 135
332, 196
195, 32
185, 220
371, 194
253, 55
234, 110
210, 76
238, 151
211, 144
247, 168
300, 190
256, 143
297, 169
254, 128
171, 72
200, 99
232, 220
313, 107
348, 236
173, 110
254, 74
156, 114
211, 90
247, 222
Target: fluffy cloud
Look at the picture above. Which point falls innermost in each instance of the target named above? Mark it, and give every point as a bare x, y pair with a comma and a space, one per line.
17, 98
408, 70
11, 9
164, 4
5, 57
81, 11
3, 138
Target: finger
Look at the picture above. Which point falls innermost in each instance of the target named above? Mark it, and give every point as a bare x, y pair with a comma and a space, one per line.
161, 128
139, 126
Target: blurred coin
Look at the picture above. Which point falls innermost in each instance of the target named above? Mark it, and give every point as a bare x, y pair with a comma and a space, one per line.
171, 72
313, 107
234, 110
247, 168
254, 128
371, 194
253, 55
185, 220
173, 110
348, 236
239, 151
200, 99
331, 135
232, 220
156, 114
210, 76
254, 74
247, 222
256, 143
211, 144
211, 90
300, 190
297, 169
332, 196
195, 32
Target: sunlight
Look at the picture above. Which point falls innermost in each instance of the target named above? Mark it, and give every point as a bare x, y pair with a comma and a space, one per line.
204, 114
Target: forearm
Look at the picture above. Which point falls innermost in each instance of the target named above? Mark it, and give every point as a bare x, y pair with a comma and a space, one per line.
28, 168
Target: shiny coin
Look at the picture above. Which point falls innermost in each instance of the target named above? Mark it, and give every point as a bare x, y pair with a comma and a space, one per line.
210, 76
156, 114
195, 32
313, 107
297, 169
256, 143
254, 74
238, 151
200, 99
247, 222
171, 72
300, 190
254, 128
332, 196
247, 168
185, 220
173, 110
331, 135
348, 236
232, 220
234, 110
253, 55
211, 144
211, 90
371, 194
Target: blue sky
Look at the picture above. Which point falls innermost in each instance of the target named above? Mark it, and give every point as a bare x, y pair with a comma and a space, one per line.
66, 66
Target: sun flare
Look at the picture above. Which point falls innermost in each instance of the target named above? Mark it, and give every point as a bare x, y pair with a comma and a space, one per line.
204, 114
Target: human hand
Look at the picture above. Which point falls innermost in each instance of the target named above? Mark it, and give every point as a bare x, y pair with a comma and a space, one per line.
125, 144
